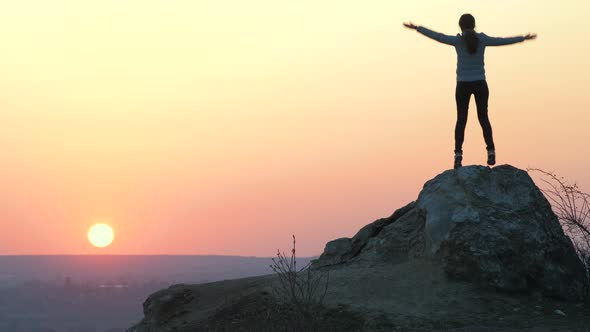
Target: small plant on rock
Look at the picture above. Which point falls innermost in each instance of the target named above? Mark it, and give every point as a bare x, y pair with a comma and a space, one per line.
302, 291
572, 207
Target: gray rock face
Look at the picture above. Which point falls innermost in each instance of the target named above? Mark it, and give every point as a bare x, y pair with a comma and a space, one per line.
164, 304
490, 226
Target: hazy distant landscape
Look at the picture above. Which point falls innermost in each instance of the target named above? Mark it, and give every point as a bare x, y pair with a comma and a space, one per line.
97, 293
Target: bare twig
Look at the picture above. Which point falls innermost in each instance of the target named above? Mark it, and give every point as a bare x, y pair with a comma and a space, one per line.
302, 289
572, 207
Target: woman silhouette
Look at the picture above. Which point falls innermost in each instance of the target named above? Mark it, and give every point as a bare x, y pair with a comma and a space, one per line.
471, 79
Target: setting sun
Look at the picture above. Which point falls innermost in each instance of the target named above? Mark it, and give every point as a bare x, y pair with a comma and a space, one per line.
100, 235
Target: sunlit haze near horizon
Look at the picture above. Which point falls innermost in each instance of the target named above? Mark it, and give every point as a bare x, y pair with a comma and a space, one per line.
223, 127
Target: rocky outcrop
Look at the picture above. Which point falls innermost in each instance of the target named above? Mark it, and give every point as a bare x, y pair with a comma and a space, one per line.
345, 249
164, 305
482, 226
190, 308
489, 226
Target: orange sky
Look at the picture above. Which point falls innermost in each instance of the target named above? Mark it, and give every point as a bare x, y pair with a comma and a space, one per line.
223, 127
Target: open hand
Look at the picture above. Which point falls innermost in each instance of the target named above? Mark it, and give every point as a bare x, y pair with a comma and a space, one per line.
410, 25
530, 36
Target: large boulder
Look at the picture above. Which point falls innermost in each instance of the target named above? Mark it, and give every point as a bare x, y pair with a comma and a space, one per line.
490, 226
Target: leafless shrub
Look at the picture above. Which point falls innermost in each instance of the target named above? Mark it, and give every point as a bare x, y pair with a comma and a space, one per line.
572, 207
302, 290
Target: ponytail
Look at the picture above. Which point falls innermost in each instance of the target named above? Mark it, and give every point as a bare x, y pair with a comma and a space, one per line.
471, 40
467, 25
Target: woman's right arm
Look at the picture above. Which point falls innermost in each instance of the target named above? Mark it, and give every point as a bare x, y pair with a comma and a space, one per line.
499, 41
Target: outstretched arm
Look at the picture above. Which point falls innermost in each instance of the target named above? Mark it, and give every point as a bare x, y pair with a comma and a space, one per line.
439, 37
499, 41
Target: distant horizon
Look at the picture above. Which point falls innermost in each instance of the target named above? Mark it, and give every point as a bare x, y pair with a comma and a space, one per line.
100, 292
182, 255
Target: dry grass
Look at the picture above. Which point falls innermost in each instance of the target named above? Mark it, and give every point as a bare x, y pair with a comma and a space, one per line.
572, 207
302, 290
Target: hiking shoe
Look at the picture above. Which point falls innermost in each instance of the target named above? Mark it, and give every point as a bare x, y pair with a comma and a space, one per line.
458, 160
491, 157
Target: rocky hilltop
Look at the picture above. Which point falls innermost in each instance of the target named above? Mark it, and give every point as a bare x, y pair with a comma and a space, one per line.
490, 226
480, 247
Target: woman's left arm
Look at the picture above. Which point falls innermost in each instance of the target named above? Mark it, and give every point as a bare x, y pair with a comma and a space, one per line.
439, 37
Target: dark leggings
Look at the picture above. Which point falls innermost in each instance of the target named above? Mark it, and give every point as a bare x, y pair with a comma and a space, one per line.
462, 95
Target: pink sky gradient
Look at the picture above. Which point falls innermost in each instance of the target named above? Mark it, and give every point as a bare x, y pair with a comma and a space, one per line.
223, 127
